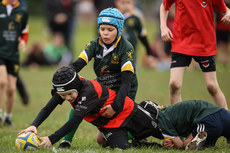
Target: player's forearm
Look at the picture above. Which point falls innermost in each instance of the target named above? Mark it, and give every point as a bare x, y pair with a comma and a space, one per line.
65, 129
78, 64
163, 16
45, 112
126, 79
178, 143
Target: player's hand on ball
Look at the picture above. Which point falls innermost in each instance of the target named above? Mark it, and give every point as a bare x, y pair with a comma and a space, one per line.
109, 112
45, 142
29, 129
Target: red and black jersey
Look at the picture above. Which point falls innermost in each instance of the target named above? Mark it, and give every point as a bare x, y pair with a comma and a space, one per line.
92, 97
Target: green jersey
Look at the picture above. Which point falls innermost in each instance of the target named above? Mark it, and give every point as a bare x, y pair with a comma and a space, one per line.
110, 62
13, 22
132, 28
181, 118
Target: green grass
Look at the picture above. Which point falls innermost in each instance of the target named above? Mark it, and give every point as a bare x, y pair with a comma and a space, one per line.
153, 85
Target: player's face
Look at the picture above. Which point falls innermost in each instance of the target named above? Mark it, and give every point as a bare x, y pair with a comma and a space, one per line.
125, 5
12, 1
69, 96
108, 33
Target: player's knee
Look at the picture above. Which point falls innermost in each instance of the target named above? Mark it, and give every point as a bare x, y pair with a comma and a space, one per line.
3, 84
174, 87
212, 89
11, 91
101, 140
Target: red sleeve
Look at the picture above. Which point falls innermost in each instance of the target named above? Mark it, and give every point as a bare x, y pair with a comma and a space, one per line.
220, 5
168, 4
25, 37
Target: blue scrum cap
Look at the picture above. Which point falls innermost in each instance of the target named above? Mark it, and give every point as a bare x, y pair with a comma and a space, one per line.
113, 17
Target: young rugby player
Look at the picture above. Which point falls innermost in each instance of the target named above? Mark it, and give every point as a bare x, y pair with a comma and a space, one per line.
14, 33
194, 37
88, 97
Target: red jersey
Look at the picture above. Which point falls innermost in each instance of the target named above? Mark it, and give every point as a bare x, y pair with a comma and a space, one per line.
194, 31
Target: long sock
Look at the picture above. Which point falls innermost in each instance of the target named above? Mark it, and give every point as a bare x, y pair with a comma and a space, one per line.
69, 136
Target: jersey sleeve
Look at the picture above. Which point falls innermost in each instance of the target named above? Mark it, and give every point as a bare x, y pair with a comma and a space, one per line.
169, 132
128, 59
89, 52
220, 5
168, 4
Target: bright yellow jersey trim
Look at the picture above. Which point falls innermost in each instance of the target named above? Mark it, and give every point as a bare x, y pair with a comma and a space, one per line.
127, 67
119, 38
84, 56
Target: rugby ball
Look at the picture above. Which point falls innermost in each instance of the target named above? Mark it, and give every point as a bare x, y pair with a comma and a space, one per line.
27, 141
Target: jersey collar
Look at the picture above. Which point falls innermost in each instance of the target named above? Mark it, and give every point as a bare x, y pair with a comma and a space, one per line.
116, 43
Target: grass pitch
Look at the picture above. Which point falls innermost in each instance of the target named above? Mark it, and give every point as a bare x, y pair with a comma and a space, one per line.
153, 85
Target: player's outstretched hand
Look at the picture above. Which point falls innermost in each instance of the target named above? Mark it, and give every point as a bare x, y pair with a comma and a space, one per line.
109, 112
29, 129
45, 142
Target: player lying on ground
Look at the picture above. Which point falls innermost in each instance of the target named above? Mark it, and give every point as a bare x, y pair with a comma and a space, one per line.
201, 123
87, 97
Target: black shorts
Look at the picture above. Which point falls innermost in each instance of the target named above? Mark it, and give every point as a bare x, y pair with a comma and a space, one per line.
207, 63
11, 66
111, 133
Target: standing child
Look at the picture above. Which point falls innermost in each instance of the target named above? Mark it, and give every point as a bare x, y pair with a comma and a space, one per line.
193, 37
13, 32
114, 63
133, 27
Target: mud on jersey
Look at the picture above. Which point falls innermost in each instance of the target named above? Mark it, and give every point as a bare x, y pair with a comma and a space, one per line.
11, 27
109, 63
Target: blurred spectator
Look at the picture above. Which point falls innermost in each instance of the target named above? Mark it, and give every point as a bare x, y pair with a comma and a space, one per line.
133, 27
52, 53
61, 18
222, 36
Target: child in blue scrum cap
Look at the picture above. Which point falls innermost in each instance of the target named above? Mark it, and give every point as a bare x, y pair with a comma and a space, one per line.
114, 64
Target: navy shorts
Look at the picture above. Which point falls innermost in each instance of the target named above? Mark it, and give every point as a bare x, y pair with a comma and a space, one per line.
11, 66
216, 125
207, 63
